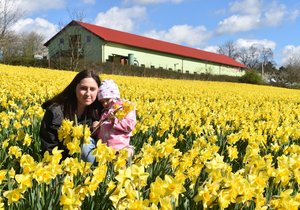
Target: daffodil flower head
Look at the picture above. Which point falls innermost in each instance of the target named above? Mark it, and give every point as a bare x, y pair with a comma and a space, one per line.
122, 108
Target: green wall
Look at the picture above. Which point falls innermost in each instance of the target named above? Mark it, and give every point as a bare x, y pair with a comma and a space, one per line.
167, 61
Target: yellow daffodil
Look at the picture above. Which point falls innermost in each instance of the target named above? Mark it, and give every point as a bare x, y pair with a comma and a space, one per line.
64, 132
15, 151
70, 200
27, 163
157, 190
232, 153
1, 204
2, 175
165, 203
24, 181
138, 173
173, 187
74, 146
13, 195
122, 109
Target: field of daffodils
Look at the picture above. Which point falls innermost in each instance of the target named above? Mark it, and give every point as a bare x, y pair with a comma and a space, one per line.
198, 145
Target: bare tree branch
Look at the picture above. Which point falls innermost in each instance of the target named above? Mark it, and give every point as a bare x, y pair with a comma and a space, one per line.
9, 14
229, 49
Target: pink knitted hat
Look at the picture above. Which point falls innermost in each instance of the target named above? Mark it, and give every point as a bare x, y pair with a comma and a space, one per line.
108, 89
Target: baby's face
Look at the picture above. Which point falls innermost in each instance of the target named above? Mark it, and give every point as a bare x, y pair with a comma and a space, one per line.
106, 102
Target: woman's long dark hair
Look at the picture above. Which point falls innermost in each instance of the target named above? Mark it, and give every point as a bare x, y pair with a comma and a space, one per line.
67, 98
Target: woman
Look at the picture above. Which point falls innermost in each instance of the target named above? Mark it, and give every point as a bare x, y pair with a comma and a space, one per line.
77, 100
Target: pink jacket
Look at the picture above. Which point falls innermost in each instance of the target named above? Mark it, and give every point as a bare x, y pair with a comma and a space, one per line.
117, 135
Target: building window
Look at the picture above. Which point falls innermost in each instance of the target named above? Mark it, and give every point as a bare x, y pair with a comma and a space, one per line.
88, 38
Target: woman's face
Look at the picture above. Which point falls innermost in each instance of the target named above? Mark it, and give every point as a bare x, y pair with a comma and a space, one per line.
86, 92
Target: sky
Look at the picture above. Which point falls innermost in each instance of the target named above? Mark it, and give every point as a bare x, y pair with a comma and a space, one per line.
201, 24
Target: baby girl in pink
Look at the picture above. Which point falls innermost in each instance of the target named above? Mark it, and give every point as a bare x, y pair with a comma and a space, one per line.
118, 118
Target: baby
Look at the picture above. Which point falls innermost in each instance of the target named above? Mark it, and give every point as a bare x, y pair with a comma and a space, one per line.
118, 118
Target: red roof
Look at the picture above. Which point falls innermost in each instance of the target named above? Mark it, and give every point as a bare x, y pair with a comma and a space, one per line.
133, 40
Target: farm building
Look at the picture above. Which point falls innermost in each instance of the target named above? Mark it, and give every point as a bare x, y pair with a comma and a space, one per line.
85, 43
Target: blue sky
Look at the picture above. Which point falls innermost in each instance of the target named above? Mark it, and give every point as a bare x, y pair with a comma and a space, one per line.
199, 24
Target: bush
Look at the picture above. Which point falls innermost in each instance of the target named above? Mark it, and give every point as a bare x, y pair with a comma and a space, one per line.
252, 77
26, 61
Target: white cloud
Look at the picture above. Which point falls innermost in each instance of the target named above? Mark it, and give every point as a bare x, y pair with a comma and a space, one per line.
145, 2
182, 34
213, 49
251, 14
123, 19
263, 43
89, 1
250, 7
275, 14
38, 25
29, 6
246, 17
294, 15
290, 53
237, 23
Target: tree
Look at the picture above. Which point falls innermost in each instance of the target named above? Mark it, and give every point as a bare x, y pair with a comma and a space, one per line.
22, 49
32, 44
9, 14
269, 72
229, 49
269, 68
10, 47
292, 72
249, 57
266, 55
255, 56
23, 45
293, 60
70, 57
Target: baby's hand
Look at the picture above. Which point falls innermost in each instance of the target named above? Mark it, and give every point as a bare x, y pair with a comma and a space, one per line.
111, 117
95, 124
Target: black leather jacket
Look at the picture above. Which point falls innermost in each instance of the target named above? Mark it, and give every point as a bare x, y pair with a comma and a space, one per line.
50, 124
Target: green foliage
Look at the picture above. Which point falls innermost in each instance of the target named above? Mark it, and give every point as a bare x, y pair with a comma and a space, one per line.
252, 77
26, 61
